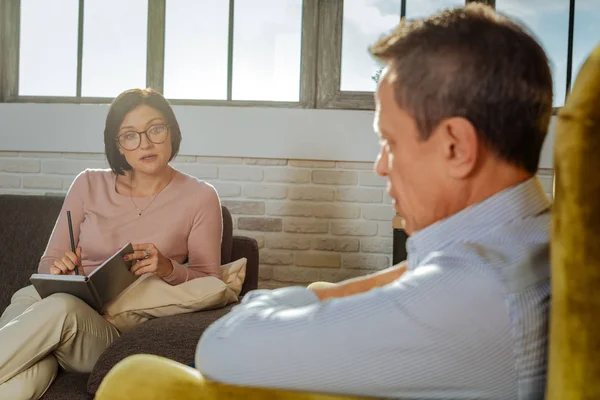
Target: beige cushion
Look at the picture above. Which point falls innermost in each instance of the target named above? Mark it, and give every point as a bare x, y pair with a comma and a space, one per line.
151, 297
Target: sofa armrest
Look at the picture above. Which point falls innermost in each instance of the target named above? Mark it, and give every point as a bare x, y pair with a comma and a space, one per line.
174, 337
244, 246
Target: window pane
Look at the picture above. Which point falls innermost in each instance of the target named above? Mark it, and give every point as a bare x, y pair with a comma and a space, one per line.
363, 23
114, 46
196, 36
586, 33
266, 50
549, 22
48, 48
421, 9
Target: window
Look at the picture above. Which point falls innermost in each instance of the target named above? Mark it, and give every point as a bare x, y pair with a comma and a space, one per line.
48, 54
114, 46
420, 9
266, 50
548, 20
196, 40
586, 32
110, 46
363, 23
264, 63
282, 53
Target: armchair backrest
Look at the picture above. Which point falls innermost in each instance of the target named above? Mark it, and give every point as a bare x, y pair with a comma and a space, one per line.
574, 358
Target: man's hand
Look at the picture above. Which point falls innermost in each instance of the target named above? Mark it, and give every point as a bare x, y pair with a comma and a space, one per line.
359, 285
149, 259
67, 264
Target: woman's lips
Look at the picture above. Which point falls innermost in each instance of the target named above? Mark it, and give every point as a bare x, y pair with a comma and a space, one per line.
149, 158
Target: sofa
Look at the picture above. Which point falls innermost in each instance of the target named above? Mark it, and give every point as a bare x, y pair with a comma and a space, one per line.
26, 223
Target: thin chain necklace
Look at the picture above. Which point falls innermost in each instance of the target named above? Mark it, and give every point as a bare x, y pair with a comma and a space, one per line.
141, 210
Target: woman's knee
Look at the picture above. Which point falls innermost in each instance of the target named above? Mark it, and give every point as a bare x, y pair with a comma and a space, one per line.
27, 293
63, 303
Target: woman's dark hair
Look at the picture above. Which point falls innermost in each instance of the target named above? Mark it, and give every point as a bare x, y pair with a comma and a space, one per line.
120, 107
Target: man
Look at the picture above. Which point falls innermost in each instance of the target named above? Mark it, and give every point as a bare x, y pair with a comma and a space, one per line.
462, 112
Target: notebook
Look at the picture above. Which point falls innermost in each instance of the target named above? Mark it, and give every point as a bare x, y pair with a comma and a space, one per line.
97, 289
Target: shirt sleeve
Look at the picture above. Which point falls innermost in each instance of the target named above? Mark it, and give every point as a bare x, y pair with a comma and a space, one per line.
204, 242
369, 344
60, 242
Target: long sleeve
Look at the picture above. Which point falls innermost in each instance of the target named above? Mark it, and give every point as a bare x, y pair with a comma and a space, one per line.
60, 242
204, 241
404, 338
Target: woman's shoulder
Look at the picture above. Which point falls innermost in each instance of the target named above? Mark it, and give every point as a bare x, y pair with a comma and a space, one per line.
97, 174
201, 190
92, 177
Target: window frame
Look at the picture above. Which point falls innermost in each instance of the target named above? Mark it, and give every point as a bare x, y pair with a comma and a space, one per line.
320, 70
330, 94
155, 52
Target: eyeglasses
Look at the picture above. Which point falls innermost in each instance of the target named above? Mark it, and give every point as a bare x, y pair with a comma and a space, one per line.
131, 140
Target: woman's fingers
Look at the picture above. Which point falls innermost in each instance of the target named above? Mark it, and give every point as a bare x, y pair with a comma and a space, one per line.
72, 260
142, 246
139, 265
136, 255
60, 267
67, 260
55, 271
146, 269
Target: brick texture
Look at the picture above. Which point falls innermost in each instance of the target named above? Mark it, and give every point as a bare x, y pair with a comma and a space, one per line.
335, 177
335, 244
359, 195
312, 220
10, 181
259, 224
245, 207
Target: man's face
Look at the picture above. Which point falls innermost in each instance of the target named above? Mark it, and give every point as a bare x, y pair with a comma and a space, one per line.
414, 168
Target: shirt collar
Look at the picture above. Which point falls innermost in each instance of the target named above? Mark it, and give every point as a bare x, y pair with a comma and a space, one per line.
517, 202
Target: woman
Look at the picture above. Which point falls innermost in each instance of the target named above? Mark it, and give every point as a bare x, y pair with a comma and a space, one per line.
167, 215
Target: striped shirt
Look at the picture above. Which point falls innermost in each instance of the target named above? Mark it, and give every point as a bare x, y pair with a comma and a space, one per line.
468, 320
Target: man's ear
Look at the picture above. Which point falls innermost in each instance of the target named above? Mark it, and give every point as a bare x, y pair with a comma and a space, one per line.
461, 146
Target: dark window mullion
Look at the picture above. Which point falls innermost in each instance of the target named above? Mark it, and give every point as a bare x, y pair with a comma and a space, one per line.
10, 23
230, 51
570, 46
491, 3
80, 47
155, 45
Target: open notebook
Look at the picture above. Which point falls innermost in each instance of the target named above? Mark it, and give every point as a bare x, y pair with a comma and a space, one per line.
97, 289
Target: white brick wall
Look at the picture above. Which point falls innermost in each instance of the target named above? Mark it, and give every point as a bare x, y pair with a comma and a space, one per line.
313, 220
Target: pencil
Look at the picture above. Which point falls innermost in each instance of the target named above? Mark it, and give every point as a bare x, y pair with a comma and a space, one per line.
72, 239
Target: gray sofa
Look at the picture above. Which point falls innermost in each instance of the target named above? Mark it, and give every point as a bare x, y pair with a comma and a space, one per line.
25, 226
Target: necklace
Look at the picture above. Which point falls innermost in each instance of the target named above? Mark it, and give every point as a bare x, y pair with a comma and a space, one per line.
141, 210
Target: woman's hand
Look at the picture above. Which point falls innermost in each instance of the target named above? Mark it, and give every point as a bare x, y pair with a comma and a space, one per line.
67, 264
147, 258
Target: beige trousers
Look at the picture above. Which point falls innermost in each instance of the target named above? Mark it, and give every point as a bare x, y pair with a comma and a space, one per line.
36, 336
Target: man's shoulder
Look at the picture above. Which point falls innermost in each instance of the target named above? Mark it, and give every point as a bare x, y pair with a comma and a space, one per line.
515, 255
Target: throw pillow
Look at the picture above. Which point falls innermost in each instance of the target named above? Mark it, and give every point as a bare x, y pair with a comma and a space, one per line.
151, 297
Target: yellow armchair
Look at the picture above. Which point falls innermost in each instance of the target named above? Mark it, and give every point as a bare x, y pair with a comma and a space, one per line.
155, 378
574, 361
574, 366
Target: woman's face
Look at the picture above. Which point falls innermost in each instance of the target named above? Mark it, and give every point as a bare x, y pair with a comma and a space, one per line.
144, 139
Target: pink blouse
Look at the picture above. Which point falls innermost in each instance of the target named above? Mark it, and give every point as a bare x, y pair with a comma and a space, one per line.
183, 221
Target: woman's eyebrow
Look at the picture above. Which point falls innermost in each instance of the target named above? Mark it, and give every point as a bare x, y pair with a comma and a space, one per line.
148, 123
